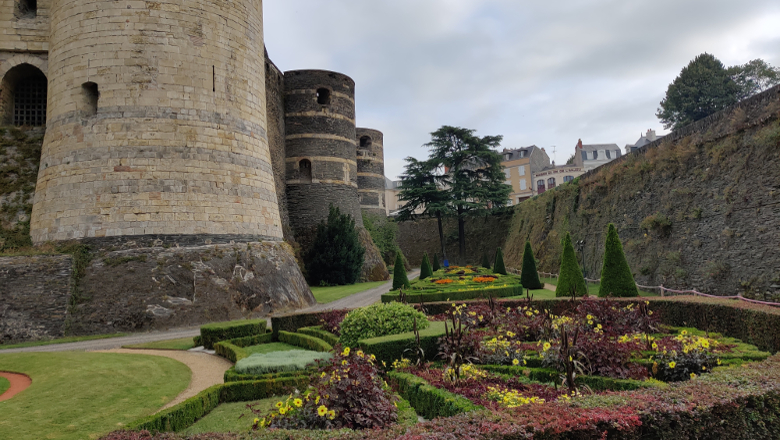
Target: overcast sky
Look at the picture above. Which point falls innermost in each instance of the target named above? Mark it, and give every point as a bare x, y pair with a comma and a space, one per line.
543, 73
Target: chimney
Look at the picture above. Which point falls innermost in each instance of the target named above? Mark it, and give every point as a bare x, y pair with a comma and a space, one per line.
579, 144
651, 135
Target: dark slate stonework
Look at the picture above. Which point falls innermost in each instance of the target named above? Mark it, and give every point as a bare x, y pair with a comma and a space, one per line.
34, 294
370, 160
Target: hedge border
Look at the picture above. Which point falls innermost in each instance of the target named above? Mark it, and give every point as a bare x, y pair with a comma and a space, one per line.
455, 295
233, 349
304, 341
213, 333
429, 401
390, 348
549, 375
318, 332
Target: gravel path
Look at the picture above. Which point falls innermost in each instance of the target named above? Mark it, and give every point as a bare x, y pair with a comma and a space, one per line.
207, 370
19, 383
550, 287
360, 299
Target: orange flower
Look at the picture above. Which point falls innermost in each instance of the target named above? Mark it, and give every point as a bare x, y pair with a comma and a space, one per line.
484, 279
443, 281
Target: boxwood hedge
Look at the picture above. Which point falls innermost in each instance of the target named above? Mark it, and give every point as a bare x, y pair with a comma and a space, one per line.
210, 334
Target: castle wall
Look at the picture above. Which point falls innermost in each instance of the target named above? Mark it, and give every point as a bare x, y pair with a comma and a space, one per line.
175, 140
322, 135
371, 171
274, 94
24, 31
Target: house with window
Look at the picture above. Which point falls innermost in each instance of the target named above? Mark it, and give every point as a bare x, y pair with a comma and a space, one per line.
644, 139
552, 176
591, 156
519, 167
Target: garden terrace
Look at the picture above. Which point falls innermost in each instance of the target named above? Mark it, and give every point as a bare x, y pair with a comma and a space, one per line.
459, 283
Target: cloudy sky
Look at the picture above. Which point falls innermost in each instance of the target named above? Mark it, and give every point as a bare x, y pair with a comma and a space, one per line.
537, 72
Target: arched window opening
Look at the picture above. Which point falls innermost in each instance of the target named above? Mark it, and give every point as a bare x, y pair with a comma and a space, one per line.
365, 142
26, 9
323, 96
551, 183
540, 186
91, 95
567, 179
23, 96
304, 170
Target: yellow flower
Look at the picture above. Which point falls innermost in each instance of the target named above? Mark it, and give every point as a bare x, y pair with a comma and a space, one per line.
546, 346
684, 332
322, 410
317, 400
345, 352
298, 402
598, 326
480, 317
693, 376
705, 343
360, 353
672, 364
719, 362
282, 411
703, 368
515, 362
655, 346
331, 414
279, 404
256, 421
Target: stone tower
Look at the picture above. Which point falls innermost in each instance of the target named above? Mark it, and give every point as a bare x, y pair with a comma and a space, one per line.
371, 171
321, 166
156, 122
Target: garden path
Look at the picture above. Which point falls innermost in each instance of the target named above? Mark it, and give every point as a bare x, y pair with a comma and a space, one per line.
550, 286
360, 299
19, 383
207, 370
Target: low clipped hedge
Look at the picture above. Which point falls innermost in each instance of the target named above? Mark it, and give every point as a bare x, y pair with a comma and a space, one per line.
304, 341
379, 320
319, 332
546, 375
291, 323
278, 361
232, 376
233, 349
210, 334
393, 347
429, 401
455, 295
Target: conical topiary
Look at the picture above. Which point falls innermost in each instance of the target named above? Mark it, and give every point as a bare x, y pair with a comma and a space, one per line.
425, 268
400, 280
498, 266
529, 278
570, 277
485, 261
616, 278
435, 265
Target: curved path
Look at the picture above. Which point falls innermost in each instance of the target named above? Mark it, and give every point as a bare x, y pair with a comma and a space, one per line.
207, 370
360, 299
19, 383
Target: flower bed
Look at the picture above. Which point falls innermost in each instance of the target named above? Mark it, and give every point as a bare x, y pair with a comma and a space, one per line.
459, 283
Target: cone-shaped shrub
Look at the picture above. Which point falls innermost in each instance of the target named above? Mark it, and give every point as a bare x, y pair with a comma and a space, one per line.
435, 265
498, 266
616, 278
336, 256
529, 277
425, 268
399, 274
570, 276
485, 261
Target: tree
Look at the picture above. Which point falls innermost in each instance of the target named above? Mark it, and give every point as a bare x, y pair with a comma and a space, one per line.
435, 265
485, 261
702, 88
419, 190
400, 280
754, 77
529, 277
425, 268
570, 277
498, 266
616, 277
336, 256
470, 173
383, 231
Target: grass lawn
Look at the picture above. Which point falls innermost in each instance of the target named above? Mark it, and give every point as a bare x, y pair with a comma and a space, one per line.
270, 347
538, 294
4, 385
324, 295
61, 341
77, 395
171, 344
593, 289
227, 417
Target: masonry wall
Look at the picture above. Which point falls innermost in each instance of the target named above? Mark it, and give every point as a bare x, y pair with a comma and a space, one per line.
274, 93
371, 171
24, 30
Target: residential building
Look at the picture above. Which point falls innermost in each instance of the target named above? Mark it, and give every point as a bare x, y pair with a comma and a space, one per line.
519, 167
392, 203
643, 140
591, 156
552, 176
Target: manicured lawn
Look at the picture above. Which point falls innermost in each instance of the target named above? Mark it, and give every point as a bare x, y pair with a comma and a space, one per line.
538, 294
270, 348
76, 395
171, 344
593, 289
231, 417
324, 295
4, 385
61, 341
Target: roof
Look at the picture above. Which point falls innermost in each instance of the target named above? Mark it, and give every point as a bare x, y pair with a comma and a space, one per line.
517, 153
389, 184
594, 147
559, 167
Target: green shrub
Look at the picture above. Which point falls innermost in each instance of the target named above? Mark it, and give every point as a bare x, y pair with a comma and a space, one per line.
657, 222
427, 400
498, 267
210, 334
182, 415
529, 277
570, 278
379, 320
435, 265
304, 341
231, 352
616, 278
197, 341
414, 297
391, 348
485, 261
336, 256
232, 376
319, 332
278, 361
400, 280
293, 322
425, 268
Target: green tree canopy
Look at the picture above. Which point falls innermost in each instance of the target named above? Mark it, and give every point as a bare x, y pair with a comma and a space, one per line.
336, 256
754, 77
529, 277
616, 277
570, 277
703, 87
400, 280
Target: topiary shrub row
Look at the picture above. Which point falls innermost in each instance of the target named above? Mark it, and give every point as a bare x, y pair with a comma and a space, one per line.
429, 401
278, 361
233, 349
454, 295
319, 332
304, 341
379, 320
210, 334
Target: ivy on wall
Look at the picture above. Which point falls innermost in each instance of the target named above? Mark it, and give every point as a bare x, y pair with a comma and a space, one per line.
20, 155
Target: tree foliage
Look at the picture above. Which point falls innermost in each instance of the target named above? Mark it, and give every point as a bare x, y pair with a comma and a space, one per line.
425, 268
616, 277
435, 265
498, 266
485, 261
336, 256
383, 231
570, 277
754, 77
400, 280
529, 277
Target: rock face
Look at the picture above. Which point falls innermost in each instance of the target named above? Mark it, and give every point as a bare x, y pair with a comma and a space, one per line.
374, 268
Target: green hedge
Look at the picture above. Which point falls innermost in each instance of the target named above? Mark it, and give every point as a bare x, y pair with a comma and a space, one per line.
210, 334
318, 332
390, 348
197, 341
455, 295
547, 375
429, 401
304, 341
291, 323
232, 376
233, 349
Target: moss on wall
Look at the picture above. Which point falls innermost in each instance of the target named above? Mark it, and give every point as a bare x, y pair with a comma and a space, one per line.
20, 154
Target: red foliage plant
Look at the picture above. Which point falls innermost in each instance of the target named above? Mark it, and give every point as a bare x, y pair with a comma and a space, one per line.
331, 320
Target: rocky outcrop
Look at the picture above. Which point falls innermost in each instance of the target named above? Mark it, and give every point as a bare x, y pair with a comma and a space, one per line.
374, 268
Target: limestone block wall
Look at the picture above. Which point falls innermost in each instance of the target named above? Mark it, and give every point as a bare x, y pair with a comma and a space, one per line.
22, 29
156, 122
274, 93
321, 166
371, 170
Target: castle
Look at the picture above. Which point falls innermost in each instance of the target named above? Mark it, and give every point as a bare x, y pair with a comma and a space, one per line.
168, 125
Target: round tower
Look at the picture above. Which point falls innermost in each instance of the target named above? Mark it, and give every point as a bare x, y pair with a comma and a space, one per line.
371, 171
321, 166
156, 122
